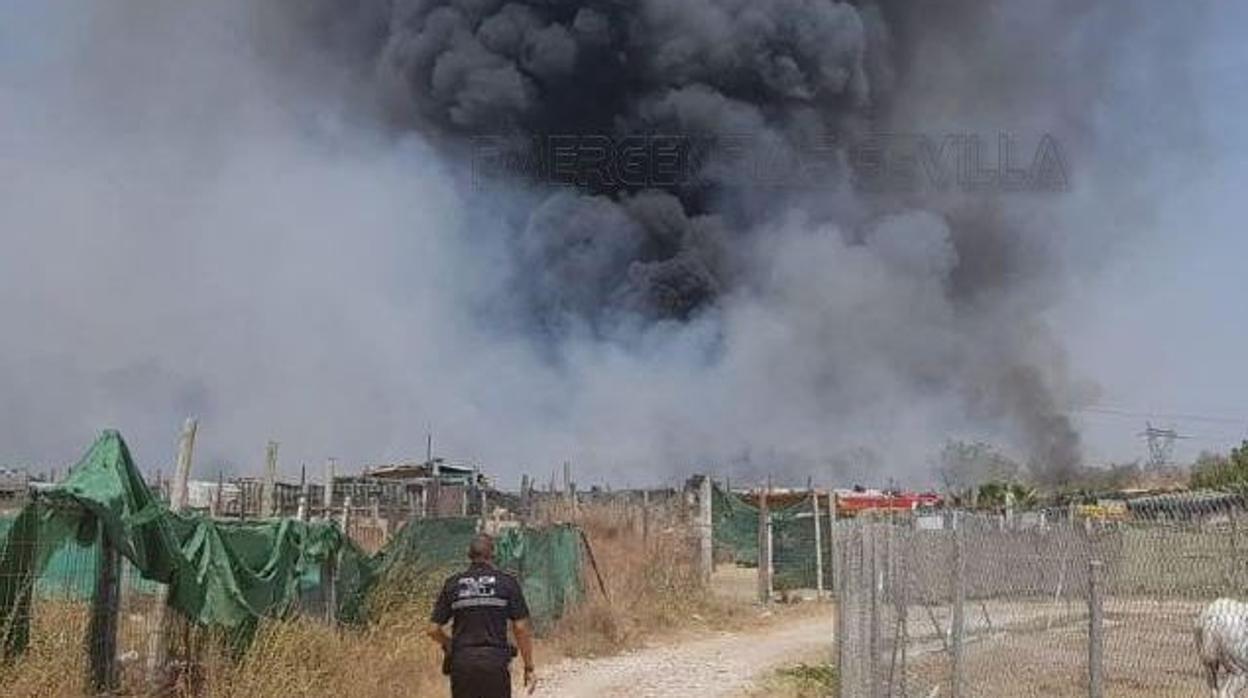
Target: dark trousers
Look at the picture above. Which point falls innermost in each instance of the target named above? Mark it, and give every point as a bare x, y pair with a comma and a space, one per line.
480, 678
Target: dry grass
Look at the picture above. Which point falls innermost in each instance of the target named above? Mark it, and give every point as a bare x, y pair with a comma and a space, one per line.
305, 658
653, 589
392, 656
55, 664
652, 586
800, 681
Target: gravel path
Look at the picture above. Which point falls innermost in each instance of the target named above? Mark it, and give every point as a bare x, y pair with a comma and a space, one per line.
722, 665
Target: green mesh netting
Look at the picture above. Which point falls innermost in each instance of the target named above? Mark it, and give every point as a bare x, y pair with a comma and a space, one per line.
792, 532
231, 574
734, 526
218, 573
793, 547
546, 561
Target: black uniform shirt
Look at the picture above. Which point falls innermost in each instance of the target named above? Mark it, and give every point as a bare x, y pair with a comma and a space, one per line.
481, 599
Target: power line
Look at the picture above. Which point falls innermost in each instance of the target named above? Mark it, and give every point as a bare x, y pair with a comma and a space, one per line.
1136, 414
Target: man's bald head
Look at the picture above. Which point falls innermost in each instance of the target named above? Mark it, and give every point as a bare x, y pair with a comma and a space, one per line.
481, 549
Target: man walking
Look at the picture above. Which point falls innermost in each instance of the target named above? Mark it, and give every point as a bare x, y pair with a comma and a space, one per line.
481, 600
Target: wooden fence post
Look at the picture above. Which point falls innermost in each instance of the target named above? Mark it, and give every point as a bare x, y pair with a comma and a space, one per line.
842, 591
329, 585
105, 609
645, 516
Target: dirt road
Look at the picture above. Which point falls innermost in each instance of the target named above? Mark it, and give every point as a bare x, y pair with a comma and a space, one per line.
722, 665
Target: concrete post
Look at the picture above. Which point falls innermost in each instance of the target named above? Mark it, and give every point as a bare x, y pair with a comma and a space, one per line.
764, 547
305, 493
218, 501
327, 492
706, 545
156, 657
876, 629
181, 476
270, 479
814, 507
1096, 631
957, 626
836, 560
843, 654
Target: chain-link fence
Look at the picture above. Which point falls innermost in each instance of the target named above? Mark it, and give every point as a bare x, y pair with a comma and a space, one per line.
1047, 604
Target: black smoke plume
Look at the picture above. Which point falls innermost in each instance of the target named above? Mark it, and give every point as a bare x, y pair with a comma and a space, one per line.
741, 82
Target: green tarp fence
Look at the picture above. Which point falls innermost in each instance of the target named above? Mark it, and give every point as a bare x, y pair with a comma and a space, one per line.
735, 529
546, 561
231, 574
221, 574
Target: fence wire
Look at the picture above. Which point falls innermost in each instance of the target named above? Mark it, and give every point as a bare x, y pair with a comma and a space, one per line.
959, 604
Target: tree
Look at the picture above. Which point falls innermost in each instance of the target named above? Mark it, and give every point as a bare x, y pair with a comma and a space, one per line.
998, 495
963, 465
1217, 472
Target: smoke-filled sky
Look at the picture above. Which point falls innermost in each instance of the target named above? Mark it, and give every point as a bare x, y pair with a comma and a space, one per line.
273, 218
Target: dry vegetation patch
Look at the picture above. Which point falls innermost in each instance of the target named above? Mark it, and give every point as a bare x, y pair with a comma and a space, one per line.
652, 590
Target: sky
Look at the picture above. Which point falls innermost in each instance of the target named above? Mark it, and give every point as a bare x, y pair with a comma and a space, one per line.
1161, 328
183, 234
